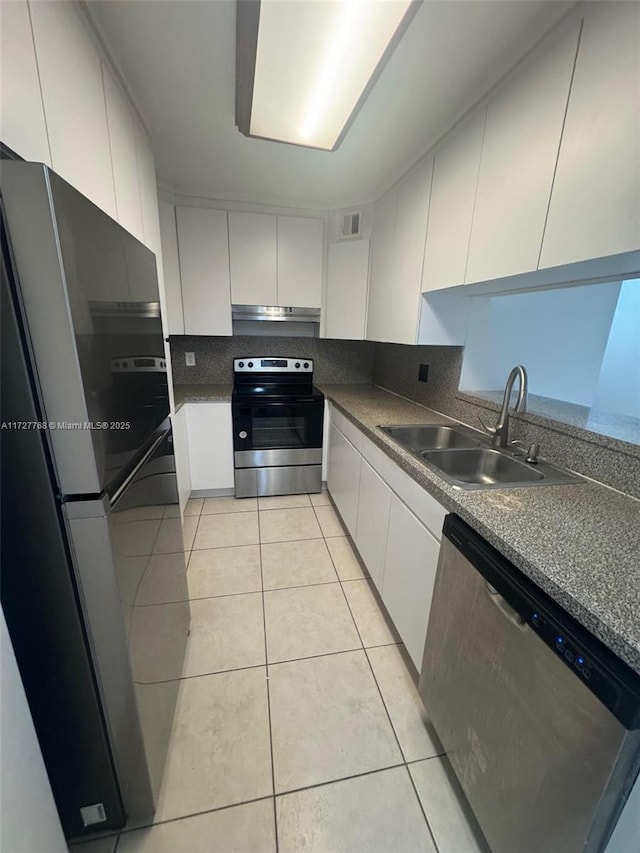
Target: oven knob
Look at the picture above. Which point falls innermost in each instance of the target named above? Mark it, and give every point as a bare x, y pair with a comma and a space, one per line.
125, 364
297, 364
250, 364
306, 364
241, 364
242, 433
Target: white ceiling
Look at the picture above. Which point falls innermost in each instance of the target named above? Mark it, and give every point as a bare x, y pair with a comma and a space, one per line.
178, 60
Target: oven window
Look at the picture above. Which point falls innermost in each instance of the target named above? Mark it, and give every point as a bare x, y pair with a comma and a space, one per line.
280, 432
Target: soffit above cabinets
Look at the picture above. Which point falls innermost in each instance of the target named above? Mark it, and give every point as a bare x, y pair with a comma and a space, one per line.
178, 59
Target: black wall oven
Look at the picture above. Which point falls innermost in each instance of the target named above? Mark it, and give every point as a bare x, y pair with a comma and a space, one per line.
278, 419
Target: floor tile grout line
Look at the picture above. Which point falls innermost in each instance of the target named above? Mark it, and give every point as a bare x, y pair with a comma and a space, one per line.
326, 782
375, 680
405, 762
341, 779
235, 594
422, 809
129, 830
384, 704
268, 686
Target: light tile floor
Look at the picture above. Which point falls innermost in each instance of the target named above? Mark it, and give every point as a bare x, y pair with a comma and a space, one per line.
298, 725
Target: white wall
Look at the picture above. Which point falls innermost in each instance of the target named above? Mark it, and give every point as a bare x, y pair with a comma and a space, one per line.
559, 335
444, 316
28, 818
618, 388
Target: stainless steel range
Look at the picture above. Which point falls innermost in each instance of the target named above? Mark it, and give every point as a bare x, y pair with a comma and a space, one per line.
278, 418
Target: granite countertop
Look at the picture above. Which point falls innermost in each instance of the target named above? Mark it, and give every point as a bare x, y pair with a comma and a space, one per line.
580, 543
201, 394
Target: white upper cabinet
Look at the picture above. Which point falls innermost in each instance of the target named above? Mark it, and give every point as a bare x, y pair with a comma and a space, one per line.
73, 96
275, 260
204, 270
595, 203
300, 253
414, 193
347, 286
22, 121
453, 193
148, 191
382, 264
171, 268
253, 258
399, 233
519, 155
122, 139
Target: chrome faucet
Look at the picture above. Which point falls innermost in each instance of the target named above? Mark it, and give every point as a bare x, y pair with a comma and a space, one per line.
500, 432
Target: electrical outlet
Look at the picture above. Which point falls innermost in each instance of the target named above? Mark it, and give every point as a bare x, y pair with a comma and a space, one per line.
423, 373
190, 359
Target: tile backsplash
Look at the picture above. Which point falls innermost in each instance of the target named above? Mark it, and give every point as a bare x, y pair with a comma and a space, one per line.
342, 362
396, 367
610, 461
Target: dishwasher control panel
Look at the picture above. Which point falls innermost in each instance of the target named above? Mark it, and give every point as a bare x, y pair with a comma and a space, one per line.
563, 645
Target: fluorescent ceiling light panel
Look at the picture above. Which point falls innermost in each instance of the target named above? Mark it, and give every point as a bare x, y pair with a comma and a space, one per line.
314, 63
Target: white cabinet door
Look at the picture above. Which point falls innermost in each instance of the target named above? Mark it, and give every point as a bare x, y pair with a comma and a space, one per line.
373, 522
300, 254
253, 258
122, 140
181, 452
519, 154
397, 255
381, 282
453, 193
171, 268
343, 477
210, 445
595, 203
21, 110
73, 96
409, 575
347, 287
148, 191
204, 270
414, 191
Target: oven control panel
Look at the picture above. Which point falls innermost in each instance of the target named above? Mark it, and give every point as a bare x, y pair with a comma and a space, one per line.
257, 364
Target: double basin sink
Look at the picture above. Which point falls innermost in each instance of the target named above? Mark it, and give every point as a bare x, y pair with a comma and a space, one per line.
462, 457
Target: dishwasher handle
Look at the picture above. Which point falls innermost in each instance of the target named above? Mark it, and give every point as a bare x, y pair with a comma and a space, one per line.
505, 608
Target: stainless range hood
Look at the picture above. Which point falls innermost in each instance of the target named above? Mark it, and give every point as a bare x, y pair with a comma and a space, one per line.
275, 321
275, 313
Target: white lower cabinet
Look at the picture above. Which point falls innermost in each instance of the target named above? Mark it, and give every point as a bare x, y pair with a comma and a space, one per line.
210, 445
396, 526
373, 521
409, 575
181, 453
343, 477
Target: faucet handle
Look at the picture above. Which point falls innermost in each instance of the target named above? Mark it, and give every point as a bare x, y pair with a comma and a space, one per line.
531, 450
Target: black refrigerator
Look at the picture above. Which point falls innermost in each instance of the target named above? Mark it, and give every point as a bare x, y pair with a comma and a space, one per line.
89, 506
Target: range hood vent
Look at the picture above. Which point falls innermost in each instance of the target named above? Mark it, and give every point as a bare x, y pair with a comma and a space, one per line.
275, 313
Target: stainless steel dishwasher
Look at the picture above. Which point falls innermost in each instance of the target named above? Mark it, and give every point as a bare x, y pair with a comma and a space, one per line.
538, 718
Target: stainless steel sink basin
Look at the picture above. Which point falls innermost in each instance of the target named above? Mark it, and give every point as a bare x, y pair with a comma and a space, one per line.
419, 437
463, 458
482, 466
485, 468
